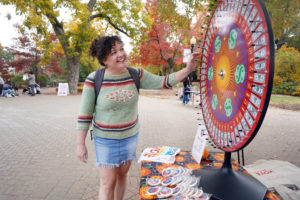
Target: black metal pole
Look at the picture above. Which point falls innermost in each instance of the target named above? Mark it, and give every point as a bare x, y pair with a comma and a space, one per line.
227, 166
228, 184
243, 159
192, 49
190, 75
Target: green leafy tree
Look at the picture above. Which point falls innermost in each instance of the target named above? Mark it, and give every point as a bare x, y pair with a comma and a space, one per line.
285, 18
87, 21
5, 58
87, 65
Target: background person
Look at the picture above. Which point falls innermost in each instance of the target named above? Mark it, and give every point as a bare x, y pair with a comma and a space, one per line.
7, 90
31, 82
38, 88
186, 91
115, 113
1, 83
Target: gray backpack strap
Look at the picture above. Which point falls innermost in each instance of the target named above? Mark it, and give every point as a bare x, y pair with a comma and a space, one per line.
97, 84
135, 76
98, 81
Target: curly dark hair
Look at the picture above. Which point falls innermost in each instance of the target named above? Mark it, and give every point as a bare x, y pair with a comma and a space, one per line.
101, 47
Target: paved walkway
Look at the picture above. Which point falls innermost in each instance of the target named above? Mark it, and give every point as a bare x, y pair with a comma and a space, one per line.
38, 141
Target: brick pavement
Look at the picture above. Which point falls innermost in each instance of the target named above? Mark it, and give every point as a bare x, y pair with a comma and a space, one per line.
38, 140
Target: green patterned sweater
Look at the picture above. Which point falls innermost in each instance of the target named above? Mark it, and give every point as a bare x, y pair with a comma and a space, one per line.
115, 114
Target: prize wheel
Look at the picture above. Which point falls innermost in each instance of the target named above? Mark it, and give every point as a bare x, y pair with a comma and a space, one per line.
236, 72
236, 77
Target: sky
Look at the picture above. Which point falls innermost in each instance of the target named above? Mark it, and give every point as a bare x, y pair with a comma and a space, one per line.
8, 32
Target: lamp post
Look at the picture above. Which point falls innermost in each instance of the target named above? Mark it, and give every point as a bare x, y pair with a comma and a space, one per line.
192, 42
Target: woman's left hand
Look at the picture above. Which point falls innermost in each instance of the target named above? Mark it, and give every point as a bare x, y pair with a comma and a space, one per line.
191, 65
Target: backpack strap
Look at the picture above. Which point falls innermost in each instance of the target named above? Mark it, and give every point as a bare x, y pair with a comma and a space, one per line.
98, 81
135, 76
97, 85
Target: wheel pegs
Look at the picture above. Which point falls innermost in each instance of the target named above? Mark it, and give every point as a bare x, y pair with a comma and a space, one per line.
251, 21
246, 4
260, 57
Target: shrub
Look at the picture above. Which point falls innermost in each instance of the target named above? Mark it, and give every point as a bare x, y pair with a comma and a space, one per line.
17, 81
297, 91
42, 80
287, 88
287, 71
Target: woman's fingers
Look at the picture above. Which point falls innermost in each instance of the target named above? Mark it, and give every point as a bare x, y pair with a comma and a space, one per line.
195, 54
82, 153
85, 157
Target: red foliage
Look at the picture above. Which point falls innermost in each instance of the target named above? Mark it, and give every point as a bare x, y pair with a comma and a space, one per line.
53, 65
25, 54
159, 49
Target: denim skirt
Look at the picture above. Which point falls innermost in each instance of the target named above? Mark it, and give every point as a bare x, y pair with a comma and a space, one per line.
113, 153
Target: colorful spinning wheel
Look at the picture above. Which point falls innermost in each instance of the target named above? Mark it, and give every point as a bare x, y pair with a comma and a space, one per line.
237, 68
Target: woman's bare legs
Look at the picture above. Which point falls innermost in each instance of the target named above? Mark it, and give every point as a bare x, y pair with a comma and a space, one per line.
108, 179
113, 182
121, 180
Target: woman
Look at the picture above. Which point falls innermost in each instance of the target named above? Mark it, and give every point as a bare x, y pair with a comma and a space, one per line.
115, 113
1, 84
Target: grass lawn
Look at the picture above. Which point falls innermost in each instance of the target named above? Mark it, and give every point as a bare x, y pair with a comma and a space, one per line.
283, 99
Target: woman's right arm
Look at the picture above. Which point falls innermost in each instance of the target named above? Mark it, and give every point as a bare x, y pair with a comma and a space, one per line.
82, 153
85, 116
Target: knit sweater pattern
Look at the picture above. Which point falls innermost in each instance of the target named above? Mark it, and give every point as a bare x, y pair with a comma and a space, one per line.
115, 114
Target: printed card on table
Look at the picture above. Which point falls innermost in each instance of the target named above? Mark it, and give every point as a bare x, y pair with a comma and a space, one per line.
164, 154
199, 143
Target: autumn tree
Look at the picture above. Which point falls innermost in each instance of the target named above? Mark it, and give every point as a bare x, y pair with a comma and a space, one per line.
52, 56
169, 34
158, 52
87, 21
26, 54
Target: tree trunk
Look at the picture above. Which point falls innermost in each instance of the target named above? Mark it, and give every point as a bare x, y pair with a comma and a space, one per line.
171, 65
73, 64
164, 70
